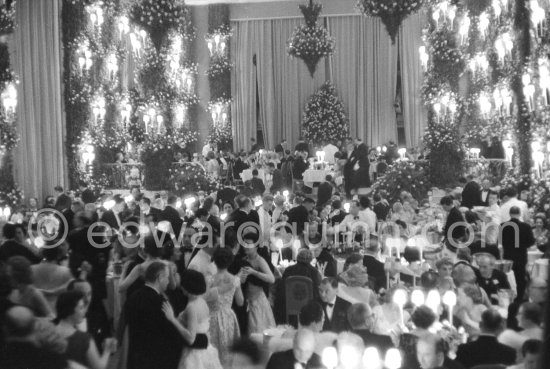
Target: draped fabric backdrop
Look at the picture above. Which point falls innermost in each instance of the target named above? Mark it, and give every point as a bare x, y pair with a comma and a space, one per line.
414, 113
39, 158
363, 68
283, 83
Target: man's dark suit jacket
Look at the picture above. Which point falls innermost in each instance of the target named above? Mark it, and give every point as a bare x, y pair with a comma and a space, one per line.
286, 360
227, 194
517, 253
324, 193
172, 216
109, 217
381, 210
471, 195
382, 343
154, 342
300, 216
257, 185
13, 248
454, 216
277, 181
88, 197
375, 271
485, 350
331, 269
339, 321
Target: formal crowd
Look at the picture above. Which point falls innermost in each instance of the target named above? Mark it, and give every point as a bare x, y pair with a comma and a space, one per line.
206, 280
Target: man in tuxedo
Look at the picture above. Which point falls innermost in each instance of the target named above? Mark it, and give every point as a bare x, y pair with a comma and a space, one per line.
302, 146
471, 194
171, 215
113, 217
153, 341
486, 349
256, 184
361, 319
301, 356
148, 213
277, 181
300, 215
375, 268
325, 260
489, 278
241, 215
453, 216
513, 231
324, 192
335, 308
280, 148
485, 190
86, 195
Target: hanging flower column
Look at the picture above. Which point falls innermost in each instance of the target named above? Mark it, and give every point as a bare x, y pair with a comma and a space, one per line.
310, 42
391, 12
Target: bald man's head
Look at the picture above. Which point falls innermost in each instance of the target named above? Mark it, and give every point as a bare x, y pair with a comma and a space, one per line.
304, 345
19, 322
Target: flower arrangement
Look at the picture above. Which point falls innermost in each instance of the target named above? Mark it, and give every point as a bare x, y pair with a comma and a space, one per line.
446, 153
7, 18
9, 137
392, 12
222, 136
404, 175
324, 118
12, 197
191, 177
160, 16
310, 42
218, 66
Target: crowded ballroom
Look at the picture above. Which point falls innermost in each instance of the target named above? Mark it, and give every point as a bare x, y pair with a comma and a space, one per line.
274, 184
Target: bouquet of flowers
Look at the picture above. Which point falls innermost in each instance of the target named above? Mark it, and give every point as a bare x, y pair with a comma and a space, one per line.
392, 12
11, 197
191, 177
310, 42
404, 176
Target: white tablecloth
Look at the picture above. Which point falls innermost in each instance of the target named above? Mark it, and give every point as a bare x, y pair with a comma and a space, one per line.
311, 176
247, 174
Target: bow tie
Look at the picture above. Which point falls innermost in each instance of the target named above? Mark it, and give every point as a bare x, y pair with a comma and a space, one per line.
355, 218
299, 365
329, 304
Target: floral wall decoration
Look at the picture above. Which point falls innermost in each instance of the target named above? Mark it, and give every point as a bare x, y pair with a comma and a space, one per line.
404, 175
391, 12
219, 77
10, 194
129, 85
311, 42
325, 118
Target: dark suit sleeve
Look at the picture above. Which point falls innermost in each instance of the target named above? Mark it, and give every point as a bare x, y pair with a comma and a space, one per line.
275, 361
462, 356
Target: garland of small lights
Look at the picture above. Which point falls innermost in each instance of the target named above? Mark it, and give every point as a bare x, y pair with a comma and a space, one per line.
219, 77
311, 42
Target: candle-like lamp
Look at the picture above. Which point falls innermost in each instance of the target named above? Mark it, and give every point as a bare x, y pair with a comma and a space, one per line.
400, 298
417, 298
433, 301
393, 359
371, 358
330, 357
449, 299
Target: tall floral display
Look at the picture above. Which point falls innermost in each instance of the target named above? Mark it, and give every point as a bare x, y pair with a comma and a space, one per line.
219, 76
325, 117
129, 85
311, 42
10, 195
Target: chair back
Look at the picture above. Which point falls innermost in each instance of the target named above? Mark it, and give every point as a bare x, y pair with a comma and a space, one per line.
298, 292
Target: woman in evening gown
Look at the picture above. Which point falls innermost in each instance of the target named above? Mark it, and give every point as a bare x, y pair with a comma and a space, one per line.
194, 324
224, 327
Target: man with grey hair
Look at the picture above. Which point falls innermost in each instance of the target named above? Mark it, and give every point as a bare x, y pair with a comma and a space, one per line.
361, 320
431, 353
489, 278
517, 237
301, 356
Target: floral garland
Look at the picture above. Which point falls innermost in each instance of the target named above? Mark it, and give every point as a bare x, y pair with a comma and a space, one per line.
12, 197
160, 16
410, 176
221, 134
218, 66
310, 42
324, 118
7, 18
391, 12
9, 137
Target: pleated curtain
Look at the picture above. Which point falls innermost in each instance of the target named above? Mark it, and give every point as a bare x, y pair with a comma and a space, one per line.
364, 70
414, 113
37, 61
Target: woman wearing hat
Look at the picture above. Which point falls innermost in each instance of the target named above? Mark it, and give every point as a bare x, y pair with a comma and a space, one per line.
194, 324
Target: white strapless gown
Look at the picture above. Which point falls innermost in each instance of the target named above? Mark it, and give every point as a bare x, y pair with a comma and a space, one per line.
200, 359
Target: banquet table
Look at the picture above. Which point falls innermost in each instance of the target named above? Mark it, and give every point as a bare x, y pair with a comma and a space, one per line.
312, 176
